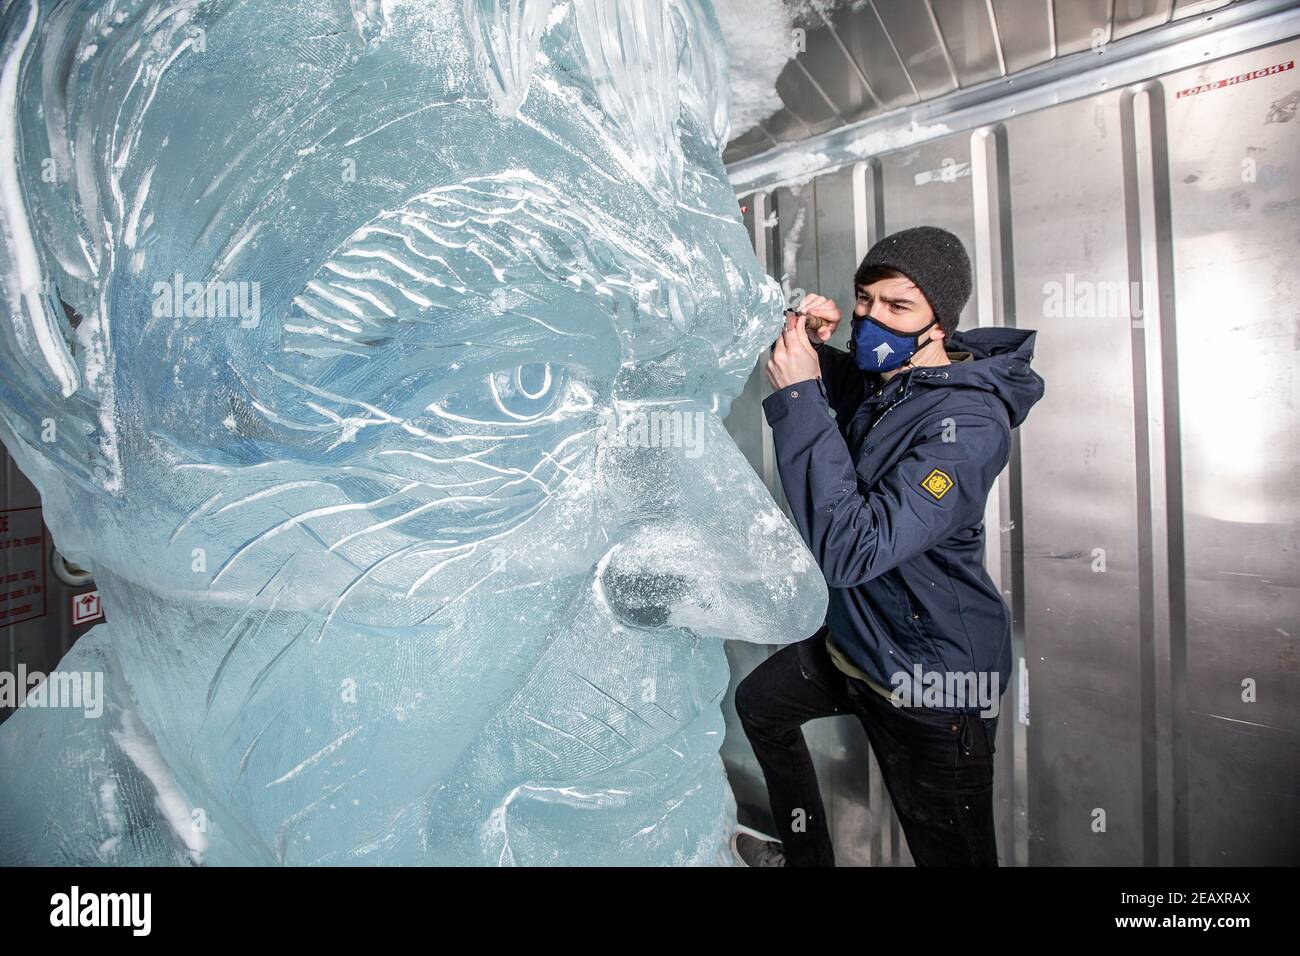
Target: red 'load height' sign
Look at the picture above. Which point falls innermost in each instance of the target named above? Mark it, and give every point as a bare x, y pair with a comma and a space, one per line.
1234, 80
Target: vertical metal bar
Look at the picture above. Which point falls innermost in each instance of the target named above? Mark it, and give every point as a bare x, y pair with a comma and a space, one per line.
1156, 431
868, 206
1003, 520
817, 236
1162, 408
988, 303
1152, 838
767, 248
1144, 211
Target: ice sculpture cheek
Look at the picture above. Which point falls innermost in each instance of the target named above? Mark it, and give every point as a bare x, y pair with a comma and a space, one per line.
422, 552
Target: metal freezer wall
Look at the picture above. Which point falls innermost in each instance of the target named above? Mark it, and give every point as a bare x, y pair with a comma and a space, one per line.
31, 591
1145, 531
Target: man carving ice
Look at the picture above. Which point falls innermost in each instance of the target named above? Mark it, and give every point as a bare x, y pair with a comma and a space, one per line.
889, 495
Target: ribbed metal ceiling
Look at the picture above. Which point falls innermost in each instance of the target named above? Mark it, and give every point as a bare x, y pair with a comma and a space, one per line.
867, 57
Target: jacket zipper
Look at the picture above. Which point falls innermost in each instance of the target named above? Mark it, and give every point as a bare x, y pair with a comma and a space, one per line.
906, 393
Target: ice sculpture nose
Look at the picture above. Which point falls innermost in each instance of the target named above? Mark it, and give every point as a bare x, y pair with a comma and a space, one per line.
760, 587
701, 545
642, 598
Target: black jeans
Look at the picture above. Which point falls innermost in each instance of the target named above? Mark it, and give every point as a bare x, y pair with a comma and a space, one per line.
937, 767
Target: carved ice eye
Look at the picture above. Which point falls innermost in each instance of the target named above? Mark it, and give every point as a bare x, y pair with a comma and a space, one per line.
527, 392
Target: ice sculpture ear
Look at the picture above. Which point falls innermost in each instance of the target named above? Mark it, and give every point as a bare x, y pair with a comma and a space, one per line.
632, 53
35, 328
54, 366
504, 35
704, 68
644, 70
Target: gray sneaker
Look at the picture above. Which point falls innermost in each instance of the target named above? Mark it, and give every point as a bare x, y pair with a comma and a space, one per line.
754, 851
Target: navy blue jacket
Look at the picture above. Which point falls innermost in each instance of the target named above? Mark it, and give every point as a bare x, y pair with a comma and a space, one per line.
889, 496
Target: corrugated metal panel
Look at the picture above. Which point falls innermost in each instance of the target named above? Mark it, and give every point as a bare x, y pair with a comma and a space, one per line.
916, 38
873, 56
1134, 16
968, 36
1081, 25
875, 62
1024, 32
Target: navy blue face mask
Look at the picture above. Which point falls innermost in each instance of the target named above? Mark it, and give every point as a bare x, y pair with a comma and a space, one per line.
878, 348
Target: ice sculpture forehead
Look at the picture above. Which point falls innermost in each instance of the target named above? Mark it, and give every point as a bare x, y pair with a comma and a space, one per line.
262, 151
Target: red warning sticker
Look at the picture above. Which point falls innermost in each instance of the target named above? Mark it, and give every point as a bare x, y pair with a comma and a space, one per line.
1239, 78
22, 565
86, 608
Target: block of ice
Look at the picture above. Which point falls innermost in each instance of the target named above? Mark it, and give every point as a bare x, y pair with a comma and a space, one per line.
374, 355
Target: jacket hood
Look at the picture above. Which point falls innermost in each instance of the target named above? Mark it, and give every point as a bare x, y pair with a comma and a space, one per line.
1000, 364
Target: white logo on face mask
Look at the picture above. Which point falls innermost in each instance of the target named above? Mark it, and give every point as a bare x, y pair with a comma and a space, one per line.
883, 351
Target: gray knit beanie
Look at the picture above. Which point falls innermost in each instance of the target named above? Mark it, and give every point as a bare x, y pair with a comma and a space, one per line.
935, 260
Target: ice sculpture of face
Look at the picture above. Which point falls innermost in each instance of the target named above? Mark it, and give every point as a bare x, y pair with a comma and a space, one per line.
372, 310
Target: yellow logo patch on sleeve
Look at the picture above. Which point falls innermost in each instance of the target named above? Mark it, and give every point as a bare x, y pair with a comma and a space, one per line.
937, 483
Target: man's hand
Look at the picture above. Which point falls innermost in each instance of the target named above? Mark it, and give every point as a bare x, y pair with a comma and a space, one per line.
793, 358
823, 315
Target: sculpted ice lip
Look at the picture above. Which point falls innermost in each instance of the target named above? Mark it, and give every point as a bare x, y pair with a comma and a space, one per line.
334, 431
